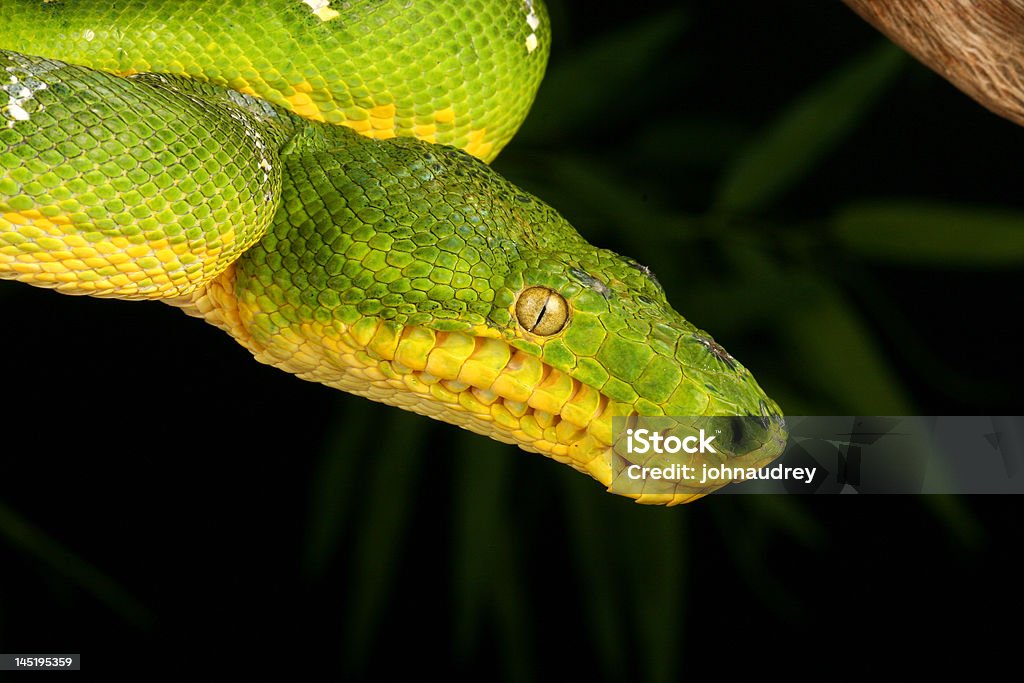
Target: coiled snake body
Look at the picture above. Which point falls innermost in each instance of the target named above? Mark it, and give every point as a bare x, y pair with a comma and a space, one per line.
189, 152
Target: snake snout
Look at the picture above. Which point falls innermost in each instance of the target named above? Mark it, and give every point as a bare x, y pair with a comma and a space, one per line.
749, 437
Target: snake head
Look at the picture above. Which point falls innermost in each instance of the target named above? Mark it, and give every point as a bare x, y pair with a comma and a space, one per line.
415, 275
645, 366
611, 355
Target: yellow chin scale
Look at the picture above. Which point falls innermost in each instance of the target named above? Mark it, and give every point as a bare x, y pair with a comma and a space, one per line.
479, 383
54, 251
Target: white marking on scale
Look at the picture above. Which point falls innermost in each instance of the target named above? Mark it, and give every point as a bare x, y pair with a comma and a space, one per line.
17, 113
533, 21
19, 93
88, 34
256, 137
322, 9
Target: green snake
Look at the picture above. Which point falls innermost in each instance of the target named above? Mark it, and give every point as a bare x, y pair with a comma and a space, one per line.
190, 152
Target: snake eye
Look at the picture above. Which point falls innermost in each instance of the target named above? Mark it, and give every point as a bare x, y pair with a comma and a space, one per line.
542, 311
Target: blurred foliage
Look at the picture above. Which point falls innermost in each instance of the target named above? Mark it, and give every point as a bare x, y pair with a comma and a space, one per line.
932, 233
753, 183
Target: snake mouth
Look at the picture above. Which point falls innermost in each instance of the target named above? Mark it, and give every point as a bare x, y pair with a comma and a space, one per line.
475, 381
487, 386
472, 379
498, 391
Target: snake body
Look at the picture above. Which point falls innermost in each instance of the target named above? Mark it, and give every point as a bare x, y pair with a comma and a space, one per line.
189, 152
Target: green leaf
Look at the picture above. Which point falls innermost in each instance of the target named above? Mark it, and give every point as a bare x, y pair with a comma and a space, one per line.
747, 536
481, 467
702, 143
785, 514
386, 506
586, 88
653, 543
804, 133
591, 539
747, 290
601, 204
511, 602
926, 233
487, 572
832, 350
333, 485
74, 568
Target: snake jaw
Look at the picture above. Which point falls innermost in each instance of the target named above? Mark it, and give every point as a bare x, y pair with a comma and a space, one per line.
478, 379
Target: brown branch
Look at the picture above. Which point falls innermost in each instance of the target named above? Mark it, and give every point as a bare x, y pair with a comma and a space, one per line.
977, 45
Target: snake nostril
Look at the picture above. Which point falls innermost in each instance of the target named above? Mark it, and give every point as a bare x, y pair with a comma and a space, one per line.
741, 434
738, 426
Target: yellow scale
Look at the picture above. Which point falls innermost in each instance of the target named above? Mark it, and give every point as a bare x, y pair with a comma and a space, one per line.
55, 253
473, 379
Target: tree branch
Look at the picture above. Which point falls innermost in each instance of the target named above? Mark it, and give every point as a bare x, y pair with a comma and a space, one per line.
978, 46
